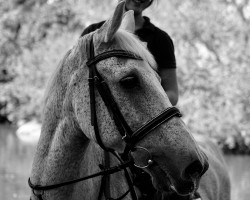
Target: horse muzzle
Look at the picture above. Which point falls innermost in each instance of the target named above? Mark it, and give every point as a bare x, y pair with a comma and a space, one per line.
189, 181
184, 182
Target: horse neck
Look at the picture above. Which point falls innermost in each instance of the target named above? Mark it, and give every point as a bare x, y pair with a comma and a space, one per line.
90, 189
59, 154
65, 154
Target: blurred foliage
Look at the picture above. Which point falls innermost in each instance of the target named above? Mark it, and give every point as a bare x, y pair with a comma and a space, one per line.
212, 44
212, 47
35, 34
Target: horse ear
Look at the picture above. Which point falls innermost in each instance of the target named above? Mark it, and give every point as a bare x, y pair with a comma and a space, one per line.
109, 28
128, 22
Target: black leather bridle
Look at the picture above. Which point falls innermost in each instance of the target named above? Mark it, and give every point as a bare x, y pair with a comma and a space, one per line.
129, 137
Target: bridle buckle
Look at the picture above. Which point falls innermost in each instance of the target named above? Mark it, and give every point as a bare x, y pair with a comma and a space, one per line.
149, 160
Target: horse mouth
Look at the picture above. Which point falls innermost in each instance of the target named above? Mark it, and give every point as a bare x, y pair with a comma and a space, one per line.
163, 181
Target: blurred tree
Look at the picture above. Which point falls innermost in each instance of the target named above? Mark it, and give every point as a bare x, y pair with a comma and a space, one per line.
35, 35
213, 54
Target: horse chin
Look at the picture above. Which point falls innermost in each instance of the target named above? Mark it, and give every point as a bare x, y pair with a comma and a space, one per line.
185, 189
163, 182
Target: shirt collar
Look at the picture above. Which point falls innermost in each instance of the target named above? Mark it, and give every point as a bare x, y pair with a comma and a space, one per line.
147, 24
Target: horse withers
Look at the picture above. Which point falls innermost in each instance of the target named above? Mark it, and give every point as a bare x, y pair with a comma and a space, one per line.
105, 113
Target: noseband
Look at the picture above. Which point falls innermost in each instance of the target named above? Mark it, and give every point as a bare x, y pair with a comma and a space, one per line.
128, 136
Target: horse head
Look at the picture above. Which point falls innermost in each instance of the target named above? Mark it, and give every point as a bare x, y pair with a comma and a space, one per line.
176, 161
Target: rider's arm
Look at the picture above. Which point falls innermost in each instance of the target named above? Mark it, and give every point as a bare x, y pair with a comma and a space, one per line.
165, 58
169, 83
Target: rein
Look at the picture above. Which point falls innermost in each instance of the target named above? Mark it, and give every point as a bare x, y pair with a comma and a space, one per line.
110, 170
129, 137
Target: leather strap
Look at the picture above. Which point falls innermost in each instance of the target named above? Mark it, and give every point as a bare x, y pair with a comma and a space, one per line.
96, 80
153, 124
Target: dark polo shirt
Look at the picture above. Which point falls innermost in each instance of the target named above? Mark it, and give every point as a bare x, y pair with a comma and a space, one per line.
158, 42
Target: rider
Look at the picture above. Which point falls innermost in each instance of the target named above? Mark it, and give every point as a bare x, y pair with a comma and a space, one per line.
158, 42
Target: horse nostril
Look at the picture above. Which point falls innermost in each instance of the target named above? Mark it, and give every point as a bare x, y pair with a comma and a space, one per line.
194, 170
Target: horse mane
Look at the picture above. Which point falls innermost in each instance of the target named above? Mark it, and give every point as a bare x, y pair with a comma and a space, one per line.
52, 82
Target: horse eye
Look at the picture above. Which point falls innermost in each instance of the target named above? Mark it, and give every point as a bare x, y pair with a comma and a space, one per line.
129, 82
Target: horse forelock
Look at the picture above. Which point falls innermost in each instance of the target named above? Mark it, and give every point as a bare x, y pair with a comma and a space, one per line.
130, 42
